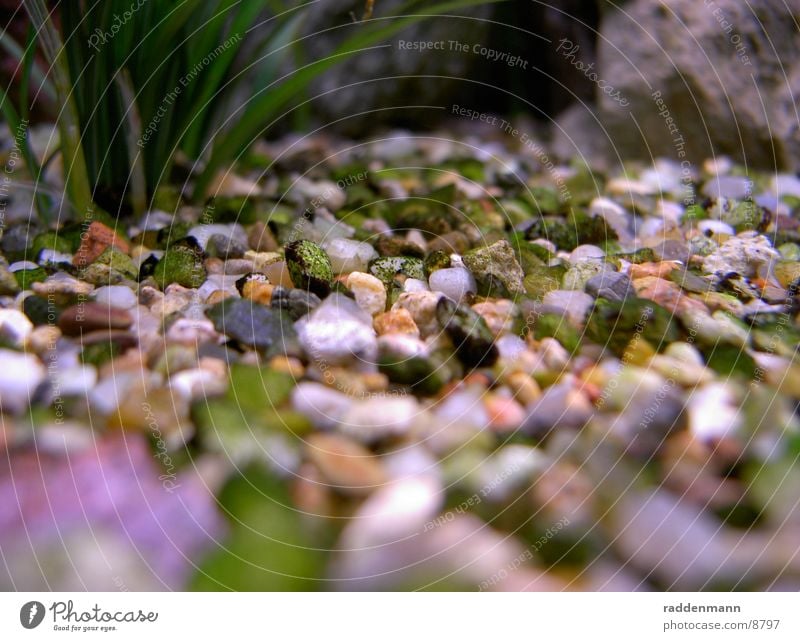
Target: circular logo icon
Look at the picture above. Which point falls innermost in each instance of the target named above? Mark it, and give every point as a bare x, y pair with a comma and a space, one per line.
31, 614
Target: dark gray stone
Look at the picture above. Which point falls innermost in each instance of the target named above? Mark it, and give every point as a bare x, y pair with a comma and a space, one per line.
612, 286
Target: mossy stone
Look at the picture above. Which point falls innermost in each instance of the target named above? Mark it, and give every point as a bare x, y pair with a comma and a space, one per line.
26, 277
541, 280
436, 260
167, 198
496, 270
613, 324
180, 265
111, 267
545, 200
309, 267
555, 326
53, 241
386, 268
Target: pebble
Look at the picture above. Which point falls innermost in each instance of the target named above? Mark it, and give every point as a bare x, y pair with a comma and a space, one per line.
505, 414
738, 187
94, 241
614, 214
198, 383
500, 315
396, 511
462, 408
716, 227
346, 466
224, 283
574, 305
349, 255
338, 332
510, 346
296, 302
670, 249
189, 331
234, 234
278, 274
251, 324
258, 292
582, 272
456, 283
583, 253
610, 285
415, 285
118, 296
560, 406
20, 376
71, 381
181, 265
43, 339
713, 412
396, 321
786, 185
79, 319
742, 254
369, 292
22, 265
261, 239
309, 267
322, 405
496, 269
471, 337
787, 272
422, 307
326, 193
379, 418
15, 327
524, 388
62, 288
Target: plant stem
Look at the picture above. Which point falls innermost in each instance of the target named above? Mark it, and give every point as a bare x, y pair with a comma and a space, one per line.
76, 178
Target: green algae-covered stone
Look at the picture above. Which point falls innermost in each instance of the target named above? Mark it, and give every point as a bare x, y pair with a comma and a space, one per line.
309, 267
181, 265
386, 268
496, 270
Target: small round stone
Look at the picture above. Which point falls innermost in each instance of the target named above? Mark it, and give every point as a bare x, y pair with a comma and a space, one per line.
369, 292
116, 296
454, 282
349, 255
309, 267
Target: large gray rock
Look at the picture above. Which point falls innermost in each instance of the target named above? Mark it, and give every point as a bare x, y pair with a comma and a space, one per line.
726, 71
387, 77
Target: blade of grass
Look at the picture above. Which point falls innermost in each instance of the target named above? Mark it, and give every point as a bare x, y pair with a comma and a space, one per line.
19, 122
76, 176
13, 48
133, 132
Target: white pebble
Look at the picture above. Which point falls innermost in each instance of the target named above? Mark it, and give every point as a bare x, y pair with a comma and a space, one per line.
369, 292
20, 375
322, 405
349, 255
454, 282
14, 326
337, 332
116, 296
